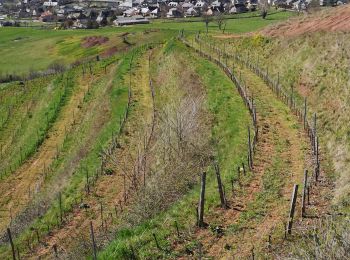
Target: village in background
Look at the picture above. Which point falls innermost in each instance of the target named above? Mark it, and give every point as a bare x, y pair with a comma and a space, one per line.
95, 13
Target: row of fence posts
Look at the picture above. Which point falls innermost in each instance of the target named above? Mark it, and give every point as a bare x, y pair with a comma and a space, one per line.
47, 169
251, 145
242, 89
249, 102
149, 139
90, 180
24, 154
84, 65
251, 140
301, 112
289, 101
108, 152
125, 195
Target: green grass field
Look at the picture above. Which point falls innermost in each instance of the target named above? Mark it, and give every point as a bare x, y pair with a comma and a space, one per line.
26, 49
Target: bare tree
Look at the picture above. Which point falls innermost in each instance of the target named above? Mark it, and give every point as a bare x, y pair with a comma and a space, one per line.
207, 19
220, 19
264, 6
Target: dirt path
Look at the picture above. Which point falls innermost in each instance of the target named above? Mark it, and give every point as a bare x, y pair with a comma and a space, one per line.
288, 162
259, 207
19, 188
109, 189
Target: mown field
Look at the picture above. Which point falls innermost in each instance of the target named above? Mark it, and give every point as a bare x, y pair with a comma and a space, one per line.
116, 145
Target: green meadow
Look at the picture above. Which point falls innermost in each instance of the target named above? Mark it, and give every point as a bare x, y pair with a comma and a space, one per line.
30, 49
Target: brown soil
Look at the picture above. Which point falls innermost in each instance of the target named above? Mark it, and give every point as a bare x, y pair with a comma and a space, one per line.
92, 41
304, 90
109, 52
232, 36
330, 20
336, 19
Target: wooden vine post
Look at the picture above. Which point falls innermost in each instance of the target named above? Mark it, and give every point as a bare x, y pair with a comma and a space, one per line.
220, 187
11, 243
317, 158
315, 133
101, 212
18, 254
156, 241
200, 211
200, 251
250, 153
60, 206
55, 250
243, 167
303, 203
292, 208
177, 229
93, 241
124, 181
305, 113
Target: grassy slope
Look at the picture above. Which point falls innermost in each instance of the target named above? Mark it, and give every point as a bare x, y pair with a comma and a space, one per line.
230, 121
283, 150
25, 49
36, 106
108, 188
73, 152
68, 45
95, 118
233, 25
28, 104
316, 66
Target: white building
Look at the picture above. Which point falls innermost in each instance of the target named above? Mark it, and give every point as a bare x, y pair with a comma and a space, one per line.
50, 4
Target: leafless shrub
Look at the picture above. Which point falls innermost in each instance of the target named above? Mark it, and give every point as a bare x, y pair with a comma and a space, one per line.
207, 19
220, 19
57, 66
181, 149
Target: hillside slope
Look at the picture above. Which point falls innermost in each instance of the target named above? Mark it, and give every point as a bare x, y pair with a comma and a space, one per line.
309, 56
135, 182
316, 63
329, 20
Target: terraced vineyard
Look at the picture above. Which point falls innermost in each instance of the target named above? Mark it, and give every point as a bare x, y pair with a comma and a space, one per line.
162, 142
